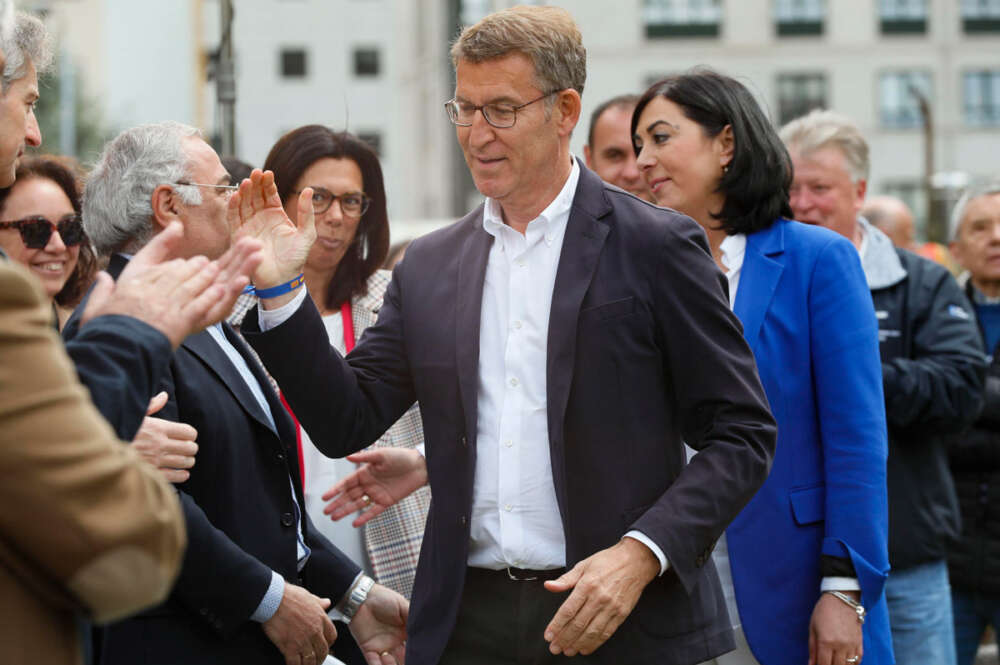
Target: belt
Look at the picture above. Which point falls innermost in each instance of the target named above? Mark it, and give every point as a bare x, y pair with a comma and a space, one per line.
523, 574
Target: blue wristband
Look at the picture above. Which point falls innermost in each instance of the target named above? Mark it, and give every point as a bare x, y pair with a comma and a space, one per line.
275, 291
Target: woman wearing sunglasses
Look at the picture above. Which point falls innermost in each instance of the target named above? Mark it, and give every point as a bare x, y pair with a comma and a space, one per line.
804, 564
40, 227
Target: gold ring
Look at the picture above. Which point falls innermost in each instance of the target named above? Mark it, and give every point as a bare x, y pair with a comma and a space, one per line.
367, 501
384, 653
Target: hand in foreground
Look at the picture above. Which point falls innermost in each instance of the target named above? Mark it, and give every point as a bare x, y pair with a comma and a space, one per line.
178, 297
255, 211
388, 476
300, 628
606, 586
834, 632
379, 627
167, 445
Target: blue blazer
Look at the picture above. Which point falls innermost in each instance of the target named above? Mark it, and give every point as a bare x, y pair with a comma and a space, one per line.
808, 317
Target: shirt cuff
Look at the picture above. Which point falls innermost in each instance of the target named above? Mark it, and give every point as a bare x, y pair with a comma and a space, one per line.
271, 600
272, 318
422, 449
645, 540
839, 584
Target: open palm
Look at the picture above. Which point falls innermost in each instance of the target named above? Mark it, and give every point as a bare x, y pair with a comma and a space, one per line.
255, 211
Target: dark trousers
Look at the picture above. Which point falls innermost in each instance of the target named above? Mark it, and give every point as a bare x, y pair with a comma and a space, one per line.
502, 622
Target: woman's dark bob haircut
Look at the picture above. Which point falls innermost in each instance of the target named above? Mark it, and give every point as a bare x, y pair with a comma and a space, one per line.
756, 184
299, 149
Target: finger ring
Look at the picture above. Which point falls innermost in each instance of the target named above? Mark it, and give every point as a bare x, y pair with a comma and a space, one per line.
384, 653
852, 659
367, 501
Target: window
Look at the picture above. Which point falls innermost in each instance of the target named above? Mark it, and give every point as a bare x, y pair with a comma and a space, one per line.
902, 16
366, 62
373, 139
800, 93
799, 17
981, 92
981, 16
899, 106
682, 18
293, 63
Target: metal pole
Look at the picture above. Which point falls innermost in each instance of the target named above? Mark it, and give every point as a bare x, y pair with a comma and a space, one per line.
935, 223
225, 81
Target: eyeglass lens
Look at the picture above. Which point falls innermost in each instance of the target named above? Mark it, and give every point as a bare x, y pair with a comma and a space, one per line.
353, 204
36, 231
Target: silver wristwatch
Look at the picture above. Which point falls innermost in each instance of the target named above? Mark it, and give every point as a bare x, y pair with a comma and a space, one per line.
357, 595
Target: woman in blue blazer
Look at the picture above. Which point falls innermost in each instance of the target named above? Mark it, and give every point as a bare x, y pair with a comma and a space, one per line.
810, 549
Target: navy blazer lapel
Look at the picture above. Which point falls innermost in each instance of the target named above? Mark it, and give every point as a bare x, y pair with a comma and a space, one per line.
211, 354
471, 276
581, 250
759, 279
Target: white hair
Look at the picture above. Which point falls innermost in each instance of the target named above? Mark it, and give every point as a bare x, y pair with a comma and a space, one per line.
823, 129
117, 199
974, 191
23, 40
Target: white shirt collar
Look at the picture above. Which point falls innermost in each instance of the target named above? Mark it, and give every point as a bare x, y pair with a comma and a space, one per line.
557, 212
733, 247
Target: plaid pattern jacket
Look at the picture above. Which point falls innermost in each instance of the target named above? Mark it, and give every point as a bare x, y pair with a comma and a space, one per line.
392, 540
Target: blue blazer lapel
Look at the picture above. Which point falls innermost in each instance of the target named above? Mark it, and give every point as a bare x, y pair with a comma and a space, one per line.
581, 250
471, 276
759, 279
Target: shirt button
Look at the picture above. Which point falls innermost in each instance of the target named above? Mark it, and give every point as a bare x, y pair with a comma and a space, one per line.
514, 382
508, 507
520, 263
287, 519
517, 325
462, 520
508, 443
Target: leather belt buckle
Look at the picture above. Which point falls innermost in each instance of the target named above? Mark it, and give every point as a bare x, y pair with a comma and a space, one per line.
520, 575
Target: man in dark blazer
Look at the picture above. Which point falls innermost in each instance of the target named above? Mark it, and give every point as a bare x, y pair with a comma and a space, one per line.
564, 340
245, 593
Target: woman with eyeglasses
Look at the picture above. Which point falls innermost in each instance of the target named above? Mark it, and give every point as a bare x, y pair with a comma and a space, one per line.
804, 564
343, 278
41, 229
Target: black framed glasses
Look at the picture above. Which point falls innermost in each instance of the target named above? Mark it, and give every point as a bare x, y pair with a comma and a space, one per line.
36, 230
352, 204
498, 115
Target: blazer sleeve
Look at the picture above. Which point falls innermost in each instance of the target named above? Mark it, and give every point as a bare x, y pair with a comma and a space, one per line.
367, 393
88, 523
939, 387
719, 398
847, 379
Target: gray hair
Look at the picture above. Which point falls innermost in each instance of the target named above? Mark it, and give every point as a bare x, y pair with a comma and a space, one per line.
117, 199
24, 40
547, 35
822, 129
987, 188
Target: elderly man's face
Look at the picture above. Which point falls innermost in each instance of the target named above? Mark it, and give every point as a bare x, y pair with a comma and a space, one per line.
514, 165
18, 126
823, 192
206, 229
611, 156
977, 244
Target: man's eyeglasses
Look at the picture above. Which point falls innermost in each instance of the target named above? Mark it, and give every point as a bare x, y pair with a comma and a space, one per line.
499, 115
36, 230
225, 190
352, 204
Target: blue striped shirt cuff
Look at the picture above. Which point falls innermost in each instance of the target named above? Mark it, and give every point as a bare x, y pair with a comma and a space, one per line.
272, 598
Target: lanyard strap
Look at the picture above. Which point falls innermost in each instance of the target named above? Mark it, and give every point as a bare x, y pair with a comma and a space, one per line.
345, 315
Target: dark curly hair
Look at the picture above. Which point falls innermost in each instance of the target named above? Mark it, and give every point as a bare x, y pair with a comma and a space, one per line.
67, 174
299, 149
759, 177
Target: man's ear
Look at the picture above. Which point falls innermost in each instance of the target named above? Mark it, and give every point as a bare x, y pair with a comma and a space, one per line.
567, 107
860, 189
165, 207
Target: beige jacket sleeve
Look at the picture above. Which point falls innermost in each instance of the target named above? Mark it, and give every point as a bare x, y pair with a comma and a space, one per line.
83, 521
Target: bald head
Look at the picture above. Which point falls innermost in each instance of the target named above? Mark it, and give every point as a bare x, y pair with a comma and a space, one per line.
893, 217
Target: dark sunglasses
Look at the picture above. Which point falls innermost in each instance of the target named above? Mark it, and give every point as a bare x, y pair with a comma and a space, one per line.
37, 230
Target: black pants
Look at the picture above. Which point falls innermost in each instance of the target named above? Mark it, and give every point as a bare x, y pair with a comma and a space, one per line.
502, 622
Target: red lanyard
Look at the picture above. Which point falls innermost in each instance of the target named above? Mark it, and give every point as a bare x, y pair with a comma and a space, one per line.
345, 315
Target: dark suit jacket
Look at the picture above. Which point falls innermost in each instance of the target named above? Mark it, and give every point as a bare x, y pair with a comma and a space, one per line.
642, 353
239, 513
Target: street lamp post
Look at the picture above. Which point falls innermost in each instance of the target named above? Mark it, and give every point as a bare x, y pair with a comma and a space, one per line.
225, 81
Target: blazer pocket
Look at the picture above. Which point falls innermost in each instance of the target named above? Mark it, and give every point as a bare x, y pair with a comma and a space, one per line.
808, 504
608, 310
